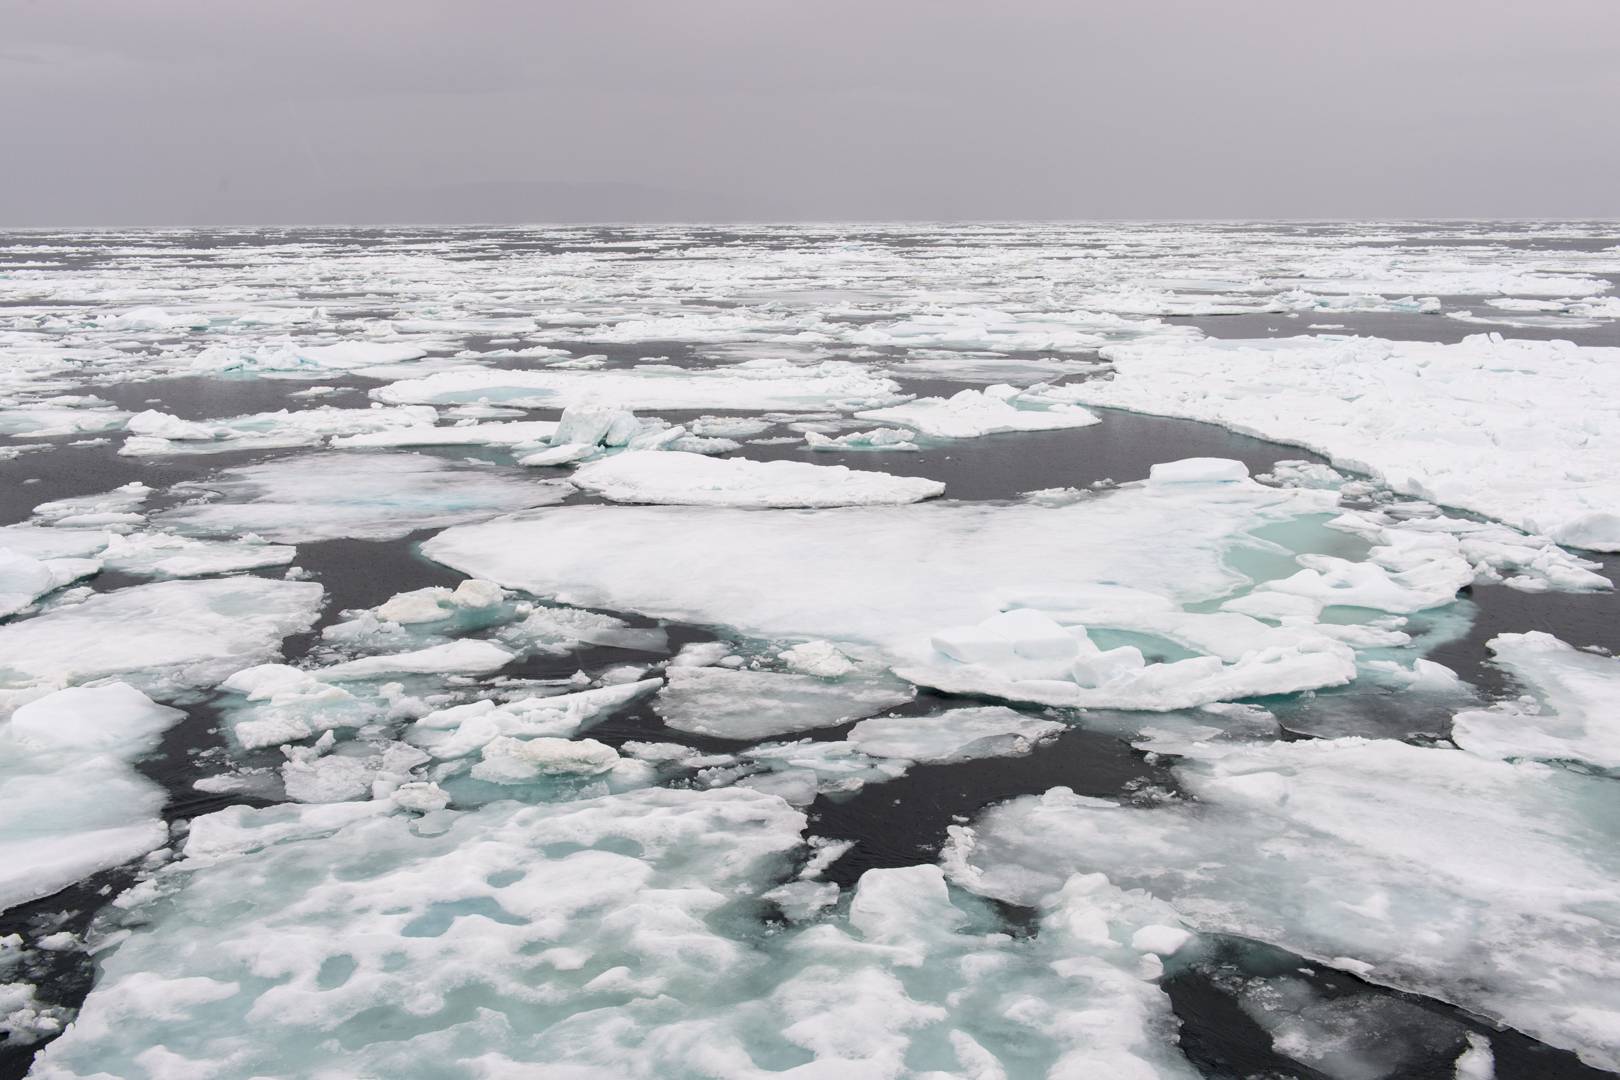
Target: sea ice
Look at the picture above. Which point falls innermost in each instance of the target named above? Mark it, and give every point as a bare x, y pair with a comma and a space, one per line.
156, 434
1480, 882
694, 480
891, 439
1521, 431
353, 494
954, 735
758, 704
162, 636
70, 802
1000, 408
753, 384
1572, 715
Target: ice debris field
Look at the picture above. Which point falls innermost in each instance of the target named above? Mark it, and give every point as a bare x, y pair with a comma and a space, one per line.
1094, 652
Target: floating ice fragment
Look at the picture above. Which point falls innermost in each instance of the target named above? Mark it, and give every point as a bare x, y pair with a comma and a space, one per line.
1000, 408
1572, 717
691, 479
758, 704
754, 384
350, 494
165, 635
71, 804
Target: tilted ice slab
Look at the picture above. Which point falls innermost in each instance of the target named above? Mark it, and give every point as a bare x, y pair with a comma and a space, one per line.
758, 704
359, 495
970, 413
893, 580
164, 635
754, 384
70, 804
641, 476
1522, 431
24, 579
157, 434
1572, 713
609, 937
1480, 882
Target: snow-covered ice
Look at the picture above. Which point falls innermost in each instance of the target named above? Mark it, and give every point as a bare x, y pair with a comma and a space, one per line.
161, 636
1521, 431
1572, 712
1483, 883
70, 803
354, 494
753, 384
695, 480
1000, 408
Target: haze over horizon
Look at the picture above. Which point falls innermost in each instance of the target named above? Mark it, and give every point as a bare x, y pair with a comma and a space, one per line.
181, 112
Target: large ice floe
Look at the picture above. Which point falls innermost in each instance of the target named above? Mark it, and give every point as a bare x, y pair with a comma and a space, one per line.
605, 937
1032, 601
163, 636
354, 494
70, 804
1485, 883
753, 384
1523, 431
695, 480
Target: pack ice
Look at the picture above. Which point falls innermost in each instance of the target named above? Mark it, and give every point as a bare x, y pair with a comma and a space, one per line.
1522, 431
612, 936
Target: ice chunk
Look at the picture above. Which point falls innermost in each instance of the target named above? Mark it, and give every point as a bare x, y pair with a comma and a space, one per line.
285, 704
691, 479
1000, 408
24, 579
437, 602
954, 735
365, 496
508, 761
461, 729
70, 802
1205, 470
166, 634
464, 657
1572, 716
877, 439
757, 704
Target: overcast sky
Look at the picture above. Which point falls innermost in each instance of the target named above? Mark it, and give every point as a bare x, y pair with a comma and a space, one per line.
231, 111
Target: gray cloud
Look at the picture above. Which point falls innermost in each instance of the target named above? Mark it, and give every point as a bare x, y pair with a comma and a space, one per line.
230, 111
